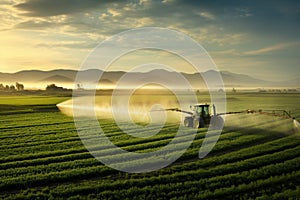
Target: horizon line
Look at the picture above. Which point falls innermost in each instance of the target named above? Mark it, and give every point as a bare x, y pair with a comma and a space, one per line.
62, 69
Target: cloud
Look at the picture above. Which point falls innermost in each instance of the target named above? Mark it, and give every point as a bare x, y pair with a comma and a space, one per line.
114, 13
226, 53
263, 51
272, 48
224, 18
33, 24
168, 1
68, 44
45, 8
8, 15
232, 30
206, 15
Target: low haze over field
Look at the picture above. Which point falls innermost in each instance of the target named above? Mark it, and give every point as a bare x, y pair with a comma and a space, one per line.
36, 79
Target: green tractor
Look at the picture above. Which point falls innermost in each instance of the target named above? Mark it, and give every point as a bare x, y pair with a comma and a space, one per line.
202, 116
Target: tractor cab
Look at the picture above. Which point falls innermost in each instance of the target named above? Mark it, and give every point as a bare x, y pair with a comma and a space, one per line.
202, 111
201, 116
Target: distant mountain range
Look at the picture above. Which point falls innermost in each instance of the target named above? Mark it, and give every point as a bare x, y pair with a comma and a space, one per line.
61, 76
57, 79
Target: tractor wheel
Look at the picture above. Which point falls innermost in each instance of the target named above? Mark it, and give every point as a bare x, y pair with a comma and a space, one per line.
196, 123
216, 122
188, 122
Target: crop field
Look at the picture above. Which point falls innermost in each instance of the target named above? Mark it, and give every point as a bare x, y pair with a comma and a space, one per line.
42, 156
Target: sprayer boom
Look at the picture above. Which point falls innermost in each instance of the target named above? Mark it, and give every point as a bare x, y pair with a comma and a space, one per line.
174, 109
204, 114
277, 113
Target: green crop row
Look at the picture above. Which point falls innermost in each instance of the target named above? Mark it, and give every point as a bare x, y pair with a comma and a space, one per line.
81, 153
46, 157
41, 157
66, 175
58, 166
42, 154
237, 155
195, 183
17, 168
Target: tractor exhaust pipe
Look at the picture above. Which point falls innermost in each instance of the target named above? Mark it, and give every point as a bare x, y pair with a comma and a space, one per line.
214, 110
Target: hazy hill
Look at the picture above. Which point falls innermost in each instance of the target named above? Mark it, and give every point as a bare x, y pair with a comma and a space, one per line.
233, 78
111, 77
57, 79
295, 82
36, 75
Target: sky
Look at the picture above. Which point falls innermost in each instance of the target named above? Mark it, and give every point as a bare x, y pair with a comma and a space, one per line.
257, 38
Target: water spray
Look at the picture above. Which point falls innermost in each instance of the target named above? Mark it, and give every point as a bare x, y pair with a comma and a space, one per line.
296, 125
202, 115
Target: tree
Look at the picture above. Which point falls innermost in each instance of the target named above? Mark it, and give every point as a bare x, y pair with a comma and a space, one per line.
12, 87
233, 90
19, 86
53, 87
2, 87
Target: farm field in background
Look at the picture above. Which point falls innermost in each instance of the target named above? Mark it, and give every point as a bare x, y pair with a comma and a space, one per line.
42, 156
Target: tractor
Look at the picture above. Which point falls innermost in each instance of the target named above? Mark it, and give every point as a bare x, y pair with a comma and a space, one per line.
202, 115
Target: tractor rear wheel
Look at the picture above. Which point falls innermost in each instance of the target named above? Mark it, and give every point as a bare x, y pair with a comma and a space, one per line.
196, 123
216, 122
188, 122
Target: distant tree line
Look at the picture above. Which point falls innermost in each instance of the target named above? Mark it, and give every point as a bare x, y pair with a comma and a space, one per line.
53, 87
20, 87
17, 87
